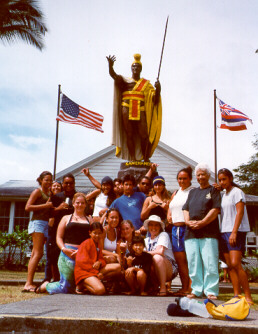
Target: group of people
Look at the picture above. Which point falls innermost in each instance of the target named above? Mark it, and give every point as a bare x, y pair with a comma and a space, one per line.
135, 238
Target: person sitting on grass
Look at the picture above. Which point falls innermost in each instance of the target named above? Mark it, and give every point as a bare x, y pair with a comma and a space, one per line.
139, 267
90, 266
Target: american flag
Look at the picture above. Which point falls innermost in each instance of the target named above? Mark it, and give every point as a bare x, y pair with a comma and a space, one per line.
231, 118
71, 112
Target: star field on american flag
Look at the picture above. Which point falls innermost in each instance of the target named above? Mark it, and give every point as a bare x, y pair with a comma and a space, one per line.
71, 112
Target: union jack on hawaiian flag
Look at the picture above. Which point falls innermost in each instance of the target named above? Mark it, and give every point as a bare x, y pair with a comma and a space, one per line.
231, 118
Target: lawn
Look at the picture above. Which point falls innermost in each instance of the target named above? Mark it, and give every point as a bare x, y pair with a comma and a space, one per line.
11, 294
8, 275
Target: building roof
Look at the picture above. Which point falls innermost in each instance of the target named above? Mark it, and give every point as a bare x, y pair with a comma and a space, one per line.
105, 163
19, 189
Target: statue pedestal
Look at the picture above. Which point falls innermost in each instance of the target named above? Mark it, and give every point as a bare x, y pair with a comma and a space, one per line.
135, 168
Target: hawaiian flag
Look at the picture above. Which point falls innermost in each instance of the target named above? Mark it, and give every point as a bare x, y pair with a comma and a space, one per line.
71, 112
231, 118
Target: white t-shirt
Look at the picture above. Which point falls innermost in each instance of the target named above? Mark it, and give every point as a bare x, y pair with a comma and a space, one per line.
100, 203
177, 203
163, 240
228, 211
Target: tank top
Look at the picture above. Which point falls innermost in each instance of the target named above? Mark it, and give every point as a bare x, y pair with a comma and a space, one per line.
158, 211
177, 203
110, 245
76, 233
42, 214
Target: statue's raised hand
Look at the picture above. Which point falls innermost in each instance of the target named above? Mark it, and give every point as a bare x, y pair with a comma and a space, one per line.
111, 60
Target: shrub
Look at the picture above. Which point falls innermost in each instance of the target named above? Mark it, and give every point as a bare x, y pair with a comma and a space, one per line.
13, 248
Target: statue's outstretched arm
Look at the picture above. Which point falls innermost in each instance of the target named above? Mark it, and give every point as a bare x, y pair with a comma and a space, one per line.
111, 60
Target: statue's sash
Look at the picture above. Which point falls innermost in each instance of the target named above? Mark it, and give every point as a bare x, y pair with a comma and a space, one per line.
135, 96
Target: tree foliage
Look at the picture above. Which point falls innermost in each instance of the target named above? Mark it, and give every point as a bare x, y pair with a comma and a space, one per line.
22, 19
247, 174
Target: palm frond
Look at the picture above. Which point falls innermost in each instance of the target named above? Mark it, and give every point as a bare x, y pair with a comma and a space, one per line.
22, 19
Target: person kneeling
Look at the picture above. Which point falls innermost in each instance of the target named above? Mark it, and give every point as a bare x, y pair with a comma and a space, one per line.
90, 266
139, 266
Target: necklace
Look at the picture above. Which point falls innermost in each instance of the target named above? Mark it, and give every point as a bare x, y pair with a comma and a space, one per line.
79, 217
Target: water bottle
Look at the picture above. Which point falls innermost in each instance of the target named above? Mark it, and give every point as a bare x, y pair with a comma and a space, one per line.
67, 201
193, 306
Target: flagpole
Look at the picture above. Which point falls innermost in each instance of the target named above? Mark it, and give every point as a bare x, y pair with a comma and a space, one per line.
57, 128
215, 137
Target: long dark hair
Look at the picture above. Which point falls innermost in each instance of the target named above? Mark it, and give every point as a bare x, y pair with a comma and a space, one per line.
111, 194
229, 174
95, 226
42, 175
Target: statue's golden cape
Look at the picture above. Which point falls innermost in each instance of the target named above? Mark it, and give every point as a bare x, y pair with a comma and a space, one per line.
153, 117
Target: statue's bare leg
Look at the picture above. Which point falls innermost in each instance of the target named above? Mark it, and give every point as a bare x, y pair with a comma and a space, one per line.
128, 125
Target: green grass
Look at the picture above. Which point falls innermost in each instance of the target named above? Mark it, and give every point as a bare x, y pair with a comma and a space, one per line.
8, 275
11, 294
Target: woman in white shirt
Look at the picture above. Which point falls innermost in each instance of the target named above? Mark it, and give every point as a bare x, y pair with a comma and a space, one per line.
159, 246
234, 227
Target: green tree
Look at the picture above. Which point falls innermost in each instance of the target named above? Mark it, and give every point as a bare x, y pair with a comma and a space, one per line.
22, 19
247, 174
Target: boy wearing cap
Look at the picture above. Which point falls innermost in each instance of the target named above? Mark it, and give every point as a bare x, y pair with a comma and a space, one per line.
139, 266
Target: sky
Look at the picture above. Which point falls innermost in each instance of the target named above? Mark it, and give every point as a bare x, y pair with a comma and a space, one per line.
209, 45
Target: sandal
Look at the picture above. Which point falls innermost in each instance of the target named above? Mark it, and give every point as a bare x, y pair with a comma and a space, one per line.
28, 290
162, 294
38, 288
178, 293
212, 297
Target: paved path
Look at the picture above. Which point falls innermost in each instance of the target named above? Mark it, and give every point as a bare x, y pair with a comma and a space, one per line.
97, 314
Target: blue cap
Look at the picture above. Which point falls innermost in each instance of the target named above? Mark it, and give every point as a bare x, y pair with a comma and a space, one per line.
158, 179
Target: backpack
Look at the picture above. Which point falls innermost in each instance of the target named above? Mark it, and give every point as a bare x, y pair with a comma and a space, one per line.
236, 308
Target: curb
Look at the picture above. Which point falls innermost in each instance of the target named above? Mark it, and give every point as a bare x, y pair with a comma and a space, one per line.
67, 325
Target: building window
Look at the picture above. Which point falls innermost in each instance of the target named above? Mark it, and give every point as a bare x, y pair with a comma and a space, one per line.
21, 217
4, 216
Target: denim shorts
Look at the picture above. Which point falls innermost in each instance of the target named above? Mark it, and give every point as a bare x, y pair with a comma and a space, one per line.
39, 226
178, 238
225, 246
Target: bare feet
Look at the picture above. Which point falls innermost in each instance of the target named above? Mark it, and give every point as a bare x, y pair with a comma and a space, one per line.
191, 295
41, 288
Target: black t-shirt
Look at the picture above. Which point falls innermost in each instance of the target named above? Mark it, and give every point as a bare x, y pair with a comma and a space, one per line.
57, 200
142, 261
198, 204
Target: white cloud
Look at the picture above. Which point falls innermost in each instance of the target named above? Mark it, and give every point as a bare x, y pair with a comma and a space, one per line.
26, 142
